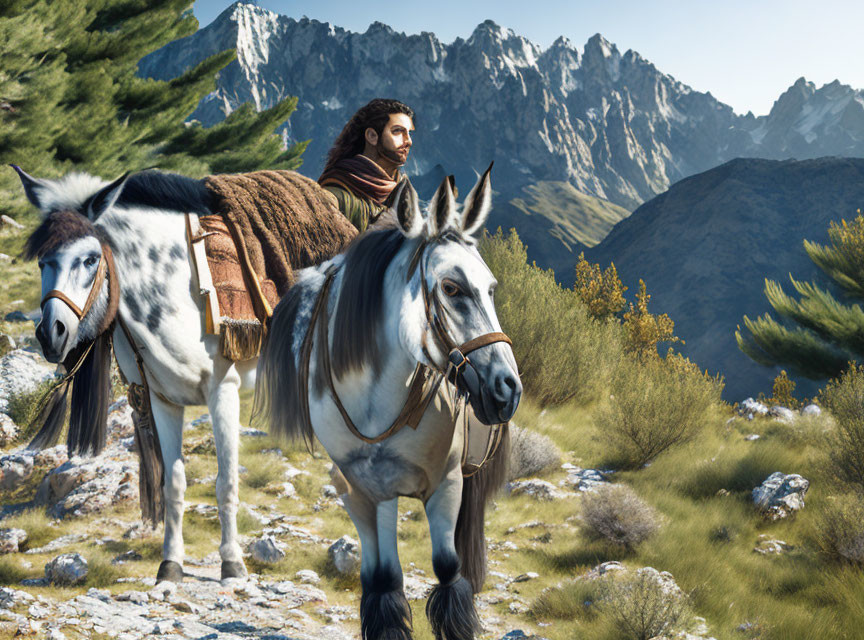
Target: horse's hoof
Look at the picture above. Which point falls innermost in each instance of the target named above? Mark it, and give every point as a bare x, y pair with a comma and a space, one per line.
170, 571
233, 569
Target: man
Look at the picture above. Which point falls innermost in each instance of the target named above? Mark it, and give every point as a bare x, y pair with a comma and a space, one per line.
363, 165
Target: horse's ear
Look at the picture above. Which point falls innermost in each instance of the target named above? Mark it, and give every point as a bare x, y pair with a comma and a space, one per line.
442, 208
477, 204
105, 198
408, 209
32, 185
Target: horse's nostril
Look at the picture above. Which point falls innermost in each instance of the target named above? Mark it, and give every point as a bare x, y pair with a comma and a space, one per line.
60, 328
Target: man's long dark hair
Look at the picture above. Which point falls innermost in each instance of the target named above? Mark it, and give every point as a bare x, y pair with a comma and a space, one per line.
374, 114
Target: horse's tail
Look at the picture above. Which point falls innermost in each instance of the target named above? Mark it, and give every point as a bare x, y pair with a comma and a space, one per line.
476, 491
281, 402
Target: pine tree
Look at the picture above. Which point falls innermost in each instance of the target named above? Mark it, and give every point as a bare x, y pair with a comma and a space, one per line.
70, 99
821, 334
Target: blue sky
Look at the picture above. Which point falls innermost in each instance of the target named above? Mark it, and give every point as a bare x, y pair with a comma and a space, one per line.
745, 53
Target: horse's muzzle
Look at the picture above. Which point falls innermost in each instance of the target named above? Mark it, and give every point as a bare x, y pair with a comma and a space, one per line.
53, 335
494, 397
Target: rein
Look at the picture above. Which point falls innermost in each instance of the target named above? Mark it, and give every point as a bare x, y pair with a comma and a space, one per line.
423, 377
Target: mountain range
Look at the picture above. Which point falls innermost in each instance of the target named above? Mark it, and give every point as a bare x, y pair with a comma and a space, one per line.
608, 123
581, 138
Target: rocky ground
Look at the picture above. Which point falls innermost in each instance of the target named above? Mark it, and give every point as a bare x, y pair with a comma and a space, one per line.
77, 562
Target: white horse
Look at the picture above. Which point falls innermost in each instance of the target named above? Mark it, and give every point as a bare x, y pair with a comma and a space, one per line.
404, 294
152, 291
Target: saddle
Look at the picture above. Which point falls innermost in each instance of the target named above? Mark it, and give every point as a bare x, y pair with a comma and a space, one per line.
266, 225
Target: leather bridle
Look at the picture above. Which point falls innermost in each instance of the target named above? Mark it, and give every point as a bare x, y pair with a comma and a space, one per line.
105, 269
424, 383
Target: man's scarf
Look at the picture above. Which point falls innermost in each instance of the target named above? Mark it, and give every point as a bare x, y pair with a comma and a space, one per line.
362, 177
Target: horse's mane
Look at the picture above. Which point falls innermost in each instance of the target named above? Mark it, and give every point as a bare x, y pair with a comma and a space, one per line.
359, 311
360, 308
161, 190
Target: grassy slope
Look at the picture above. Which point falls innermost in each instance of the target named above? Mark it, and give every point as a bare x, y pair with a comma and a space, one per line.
556, 222
791, 597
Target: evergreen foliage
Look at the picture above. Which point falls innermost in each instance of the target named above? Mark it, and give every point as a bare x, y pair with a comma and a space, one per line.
820, 334
70, 99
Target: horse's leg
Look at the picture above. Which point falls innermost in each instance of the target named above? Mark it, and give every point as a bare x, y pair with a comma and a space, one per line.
379, 619
384, 610
168, 419
450, 607
224, 404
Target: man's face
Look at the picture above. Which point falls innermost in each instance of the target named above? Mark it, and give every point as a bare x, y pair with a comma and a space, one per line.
395, 139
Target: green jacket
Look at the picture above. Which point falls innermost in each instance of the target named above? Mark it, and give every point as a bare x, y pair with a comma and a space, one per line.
359, 211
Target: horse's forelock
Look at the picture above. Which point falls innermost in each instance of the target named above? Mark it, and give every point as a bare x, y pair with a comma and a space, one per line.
57, 229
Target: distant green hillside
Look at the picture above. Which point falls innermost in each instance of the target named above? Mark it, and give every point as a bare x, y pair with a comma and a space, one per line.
556, 222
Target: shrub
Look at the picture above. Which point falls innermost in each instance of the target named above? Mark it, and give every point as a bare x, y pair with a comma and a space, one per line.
615, 513
653, 407
563, 354
642, 607
644, 330
783, 390
601, 290
839, 529
23, 407
572, 599
844, 399
531, 453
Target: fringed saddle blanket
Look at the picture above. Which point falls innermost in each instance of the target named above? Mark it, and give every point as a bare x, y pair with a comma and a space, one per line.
266, 225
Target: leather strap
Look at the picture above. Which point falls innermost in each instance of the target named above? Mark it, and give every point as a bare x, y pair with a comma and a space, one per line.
417, 402
95, 289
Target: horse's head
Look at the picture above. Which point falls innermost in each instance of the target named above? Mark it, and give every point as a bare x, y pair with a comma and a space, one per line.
448, 305
78, 294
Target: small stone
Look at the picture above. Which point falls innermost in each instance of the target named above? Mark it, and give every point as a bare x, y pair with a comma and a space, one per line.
345, 555
782, 414
128, 556
538, 489
66, 569
767, 547
307, 576
15, 470
751, 406
525, 577
138, 597
811, 410
11, 540
16, 316
329, 491
266, 550
752, 437
781, 495
6, 221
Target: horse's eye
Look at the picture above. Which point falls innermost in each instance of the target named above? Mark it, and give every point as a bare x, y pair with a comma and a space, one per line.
89, 262
450, 288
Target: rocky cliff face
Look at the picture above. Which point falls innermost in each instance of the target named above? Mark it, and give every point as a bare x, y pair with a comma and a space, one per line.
609, 123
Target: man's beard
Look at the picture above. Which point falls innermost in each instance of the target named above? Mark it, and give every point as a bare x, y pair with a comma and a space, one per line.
391, 155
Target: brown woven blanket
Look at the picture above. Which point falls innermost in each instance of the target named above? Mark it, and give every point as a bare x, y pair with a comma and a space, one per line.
279, 221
